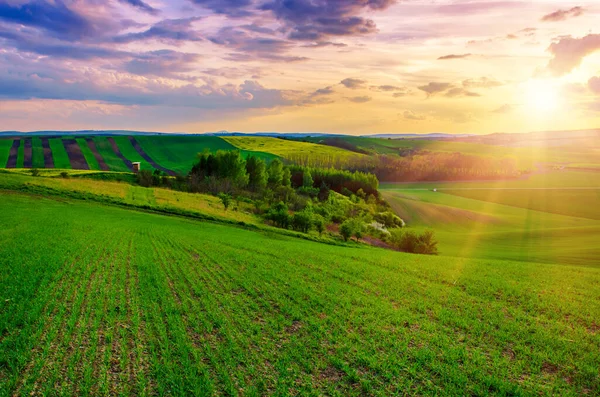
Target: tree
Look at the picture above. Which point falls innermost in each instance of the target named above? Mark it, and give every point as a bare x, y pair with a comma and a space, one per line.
144, 178
302, 221
307, 180
275, 173
279, 215
319, 223
257, 173
35, 172
347, 229
286, 177
225, 199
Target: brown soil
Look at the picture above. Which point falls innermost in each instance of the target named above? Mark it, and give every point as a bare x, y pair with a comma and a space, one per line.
27, 154
48, 159
92, 145
12, 155
75, 154
117, 151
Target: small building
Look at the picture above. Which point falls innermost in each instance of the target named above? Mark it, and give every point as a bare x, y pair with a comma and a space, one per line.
136, 166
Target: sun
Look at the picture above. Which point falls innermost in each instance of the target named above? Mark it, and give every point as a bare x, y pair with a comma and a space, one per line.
541, 96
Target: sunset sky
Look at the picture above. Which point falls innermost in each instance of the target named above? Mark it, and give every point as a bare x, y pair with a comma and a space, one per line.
339, 66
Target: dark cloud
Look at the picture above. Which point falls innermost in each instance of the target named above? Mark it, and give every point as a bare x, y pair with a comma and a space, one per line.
360, 99
250, 47
561, 15
232, 8
353, 84
454, 56
324, 91
315, 20
170, 31
52, 16
320, 44
568, 52
435, 88
142, 6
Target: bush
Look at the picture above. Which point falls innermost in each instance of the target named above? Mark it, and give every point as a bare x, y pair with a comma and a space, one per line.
144, 178
64, 174
225, 199
389, 219
279, 215
35, 172
346, 229
302, 221
319, 223
409, 241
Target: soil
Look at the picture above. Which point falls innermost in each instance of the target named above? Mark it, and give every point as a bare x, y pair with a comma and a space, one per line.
48, 159
12, 155
101, 163
27, 154
145, 156
75, 154
119, 154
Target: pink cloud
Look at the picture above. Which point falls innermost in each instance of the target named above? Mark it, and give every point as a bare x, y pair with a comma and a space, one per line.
561, 15
568, 52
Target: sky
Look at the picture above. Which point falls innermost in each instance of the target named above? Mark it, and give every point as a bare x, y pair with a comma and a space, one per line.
330, 66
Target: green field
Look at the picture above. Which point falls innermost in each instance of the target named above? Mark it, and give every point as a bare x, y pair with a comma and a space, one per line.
519, 220
37, 153
285, 148
5, 145
87, 153
130, 153
156, 305
110, 158
59, 154
178, 153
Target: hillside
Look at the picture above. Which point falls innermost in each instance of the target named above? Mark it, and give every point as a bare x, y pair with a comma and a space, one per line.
174, 306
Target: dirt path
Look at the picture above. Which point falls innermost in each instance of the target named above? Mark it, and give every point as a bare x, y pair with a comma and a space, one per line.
48, 159
27, 154
145, 156
75, 154
117, 151
101, 163
13, 154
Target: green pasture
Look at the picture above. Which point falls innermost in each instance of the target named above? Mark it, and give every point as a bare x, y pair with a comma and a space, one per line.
5, 145
108, 301
59, 154
130, 153
110, 158
554, 226
87, 153
37, 153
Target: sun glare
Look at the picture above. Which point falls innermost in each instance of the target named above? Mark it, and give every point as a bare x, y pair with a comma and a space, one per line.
541, 96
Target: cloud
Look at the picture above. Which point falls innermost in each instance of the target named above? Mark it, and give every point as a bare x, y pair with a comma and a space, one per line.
318, 19
353, 84
250, 47
169, 31
594, 85
387, 88
460, 92
568, 52
141, 5
454, 56
504, 109
232, 8
477, 7
324, 91
410, 115
561, 15
163, 63
360, 99
435, 88
483, 82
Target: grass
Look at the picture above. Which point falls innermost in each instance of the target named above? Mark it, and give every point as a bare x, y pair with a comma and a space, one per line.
110, 158
37, 153
87, 153
59, 154
285, 148
5, 145
554, 226
179, 153
110, 301
130, 153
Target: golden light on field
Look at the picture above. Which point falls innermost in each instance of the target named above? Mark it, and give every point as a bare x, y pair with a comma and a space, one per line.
541, 96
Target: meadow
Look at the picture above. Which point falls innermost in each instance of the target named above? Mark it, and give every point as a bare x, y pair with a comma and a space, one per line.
551, 217
172, 306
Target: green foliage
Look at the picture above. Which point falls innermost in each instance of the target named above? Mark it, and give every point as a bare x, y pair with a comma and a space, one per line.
279, 215
410, 241
275, 173
144, 178
35, 172
347, 229
389, 219
257, 173
64, 175
307, 180
226, 200
286, 176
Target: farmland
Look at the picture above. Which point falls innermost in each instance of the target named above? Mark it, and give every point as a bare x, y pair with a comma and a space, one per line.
174, 306
550, 217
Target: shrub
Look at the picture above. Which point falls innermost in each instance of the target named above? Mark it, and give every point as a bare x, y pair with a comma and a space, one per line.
279, 215
302, 221
225, 199
35, 172
319, 223
64, 174
144, 178
389, 219
346, 229
409, 241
